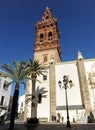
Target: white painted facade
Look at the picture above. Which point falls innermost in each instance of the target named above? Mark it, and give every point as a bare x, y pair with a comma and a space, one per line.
41, 86
73, 94
4, 94
43, 110
76, 109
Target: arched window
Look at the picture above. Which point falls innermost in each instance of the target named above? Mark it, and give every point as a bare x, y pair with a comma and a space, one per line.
50, 36
41, 37
47, 17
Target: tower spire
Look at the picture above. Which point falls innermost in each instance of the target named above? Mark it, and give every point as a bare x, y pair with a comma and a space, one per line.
80, 56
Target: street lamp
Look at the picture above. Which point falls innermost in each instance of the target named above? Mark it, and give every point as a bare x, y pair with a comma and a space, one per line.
65, 83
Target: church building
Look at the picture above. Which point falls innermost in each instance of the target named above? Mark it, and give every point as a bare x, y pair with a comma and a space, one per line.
78, 96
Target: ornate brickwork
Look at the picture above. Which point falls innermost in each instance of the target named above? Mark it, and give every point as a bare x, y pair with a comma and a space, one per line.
47, 35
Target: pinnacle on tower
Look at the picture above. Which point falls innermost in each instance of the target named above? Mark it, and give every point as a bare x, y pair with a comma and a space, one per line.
80, 56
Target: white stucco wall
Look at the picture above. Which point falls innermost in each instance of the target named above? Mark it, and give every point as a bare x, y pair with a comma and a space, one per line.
43, 108
73, 94
74, 97
5, 93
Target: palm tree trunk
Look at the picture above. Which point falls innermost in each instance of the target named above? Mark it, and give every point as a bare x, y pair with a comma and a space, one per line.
33, 102
14, 107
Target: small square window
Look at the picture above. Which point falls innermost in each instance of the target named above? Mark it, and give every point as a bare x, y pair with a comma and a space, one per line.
44, 77
45, 58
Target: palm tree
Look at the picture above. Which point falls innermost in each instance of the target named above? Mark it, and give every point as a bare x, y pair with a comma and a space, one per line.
39, 91
18, 74
34, 69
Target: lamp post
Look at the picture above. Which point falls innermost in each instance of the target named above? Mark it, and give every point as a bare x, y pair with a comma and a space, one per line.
65, 83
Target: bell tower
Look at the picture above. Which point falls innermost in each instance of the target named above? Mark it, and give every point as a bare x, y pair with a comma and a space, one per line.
46, 50
47, 38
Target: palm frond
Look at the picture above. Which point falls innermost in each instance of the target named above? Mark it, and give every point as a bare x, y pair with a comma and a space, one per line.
45, 91
7, 75
44, 96
16, 73
8, 69
42, 90
19, 70
9, 83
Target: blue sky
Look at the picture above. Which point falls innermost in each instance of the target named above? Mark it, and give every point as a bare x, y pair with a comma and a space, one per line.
76, 22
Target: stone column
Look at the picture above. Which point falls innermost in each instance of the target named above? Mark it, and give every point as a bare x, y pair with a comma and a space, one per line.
52, 91
83, 82
26, 109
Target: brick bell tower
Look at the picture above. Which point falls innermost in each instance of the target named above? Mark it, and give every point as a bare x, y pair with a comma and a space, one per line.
46, 50
47, 38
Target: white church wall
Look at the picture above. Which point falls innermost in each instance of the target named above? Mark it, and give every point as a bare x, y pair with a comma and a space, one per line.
73, 94
43, 108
